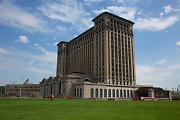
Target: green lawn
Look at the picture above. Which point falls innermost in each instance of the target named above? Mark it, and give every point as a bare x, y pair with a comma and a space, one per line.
80, 109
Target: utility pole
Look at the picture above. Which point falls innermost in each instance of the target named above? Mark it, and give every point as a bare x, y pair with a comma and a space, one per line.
20, 88
51, 90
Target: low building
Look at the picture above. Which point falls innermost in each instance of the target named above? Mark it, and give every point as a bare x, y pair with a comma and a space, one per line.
153, 92
80, 85
22, 90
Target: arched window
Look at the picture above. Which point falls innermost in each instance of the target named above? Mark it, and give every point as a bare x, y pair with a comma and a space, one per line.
96, 92
105, 93
92, 92
125, 93
113, 93
75, 93
121, 93
117, 93
109, 93
101, 92
128, 93
80, 92
86, 80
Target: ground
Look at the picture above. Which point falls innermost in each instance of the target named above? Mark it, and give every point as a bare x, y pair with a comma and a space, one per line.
81, 109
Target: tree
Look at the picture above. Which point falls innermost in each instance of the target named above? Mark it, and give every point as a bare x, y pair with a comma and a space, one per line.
2, 90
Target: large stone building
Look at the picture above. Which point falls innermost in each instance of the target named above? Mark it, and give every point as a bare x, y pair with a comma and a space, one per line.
99, 63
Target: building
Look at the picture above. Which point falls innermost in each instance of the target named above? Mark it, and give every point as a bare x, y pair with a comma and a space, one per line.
22, 90
150, 92
99, 63
105, 51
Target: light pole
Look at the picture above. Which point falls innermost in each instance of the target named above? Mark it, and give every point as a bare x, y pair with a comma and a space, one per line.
20, 91
51, 90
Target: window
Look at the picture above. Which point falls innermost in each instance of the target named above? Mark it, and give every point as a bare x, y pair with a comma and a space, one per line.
117, 93
131, 93
105, 93
75, 92
92, 92
113, 82
125, 93
113, 93
120, 93
101, 92
96, 92
109, 93
80, 92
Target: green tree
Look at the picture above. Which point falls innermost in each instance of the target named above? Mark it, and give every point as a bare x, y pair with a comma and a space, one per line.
2, 90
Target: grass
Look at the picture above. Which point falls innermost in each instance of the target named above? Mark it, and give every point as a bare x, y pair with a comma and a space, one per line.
80, 109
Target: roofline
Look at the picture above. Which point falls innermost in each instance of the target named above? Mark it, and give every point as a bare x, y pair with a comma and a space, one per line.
77, 36
82, 34
93, 26
62, 42
113, 16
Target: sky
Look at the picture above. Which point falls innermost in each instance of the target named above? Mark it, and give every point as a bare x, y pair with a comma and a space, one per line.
30, 30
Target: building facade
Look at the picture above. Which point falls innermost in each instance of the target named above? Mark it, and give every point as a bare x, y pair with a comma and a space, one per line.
99, 63
106, 51
22, 90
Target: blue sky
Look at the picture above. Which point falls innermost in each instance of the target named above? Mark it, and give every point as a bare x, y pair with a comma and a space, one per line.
30, 30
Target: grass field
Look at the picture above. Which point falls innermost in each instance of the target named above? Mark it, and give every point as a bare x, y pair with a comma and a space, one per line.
80, 109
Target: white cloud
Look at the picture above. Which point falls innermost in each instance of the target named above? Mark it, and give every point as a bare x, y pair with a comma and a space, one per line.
23, 39
174, 67
47, 56
162, 61
167, 9
36, 44
158, 76
61, 28
92, 0
178, 43
120, 1
161, 14
155, 24
54, 38
125, 12
39, 70
31, 62
67, 11
129, 1
14, 16
20, 60
56, 43
149, 73
4, 51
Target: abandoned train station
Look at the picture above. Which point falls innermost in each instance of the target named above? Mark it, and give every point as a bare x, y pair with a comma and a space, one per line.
99, 63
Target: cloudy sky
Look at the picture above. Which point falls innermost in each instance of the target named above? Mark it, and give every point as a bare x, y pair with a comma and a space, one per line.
30, 30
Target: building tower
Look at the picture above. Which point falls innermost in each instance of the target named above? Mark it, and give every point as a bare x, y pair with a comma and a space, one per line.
105, 51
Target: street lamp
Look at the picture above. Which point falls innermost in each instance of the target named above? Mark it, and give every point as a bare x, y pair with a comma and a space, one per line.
20, 88
51, 89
